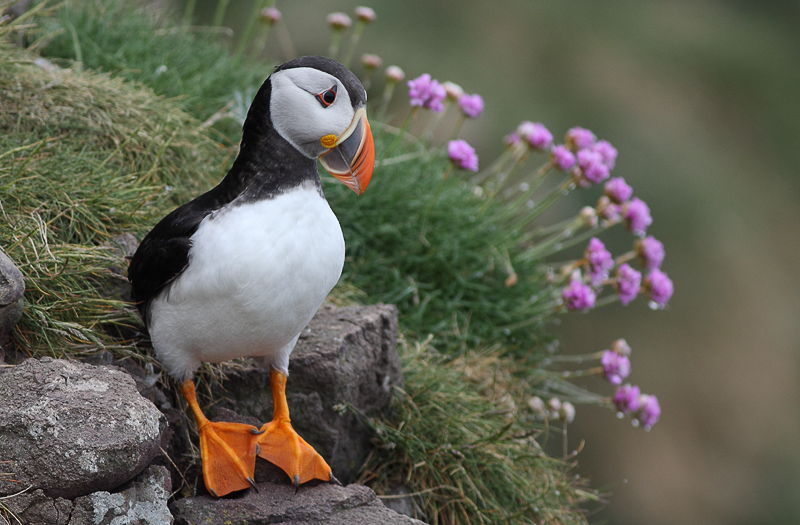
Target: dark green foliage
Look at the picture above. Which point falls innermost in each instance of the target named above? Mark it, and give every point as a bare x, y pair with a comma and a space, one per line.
430, 245
193, 66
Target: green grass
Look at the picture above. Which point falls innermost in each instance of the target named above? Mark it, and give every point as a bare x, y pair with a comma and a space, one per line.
91, 152
85, 158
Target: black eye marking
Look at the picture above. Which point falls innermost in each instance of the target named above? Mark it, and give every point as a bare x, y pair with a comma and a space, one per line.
327, 97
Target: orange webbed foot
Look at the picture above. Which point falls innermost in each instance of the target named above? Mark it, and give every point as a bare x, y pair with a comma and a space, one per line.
280, 444
227, 450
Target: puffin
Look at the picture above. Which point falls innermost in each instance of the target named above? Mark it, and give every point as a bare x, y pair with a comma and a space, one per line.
241, 269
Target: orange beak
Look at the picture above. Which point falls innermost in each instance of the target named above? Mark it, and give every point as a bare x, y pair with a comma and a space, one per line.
352, 157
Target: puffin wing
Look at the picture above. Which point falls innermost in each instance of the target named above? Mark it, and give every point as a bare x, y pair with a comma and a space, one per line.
163, 255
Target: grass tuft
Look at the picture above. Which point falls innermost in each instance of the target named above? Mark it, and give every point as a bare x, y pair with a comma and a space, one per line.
85, 158
462, 442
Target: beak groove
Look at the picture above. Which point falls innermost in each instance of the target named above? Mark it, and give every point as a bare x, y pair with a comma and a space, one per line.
352, 159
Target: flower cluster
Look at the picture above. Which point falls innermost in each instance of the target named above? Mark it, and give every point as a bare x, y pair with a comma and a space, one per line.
597, 278
462, 155
643, 408
426, 92
577, 295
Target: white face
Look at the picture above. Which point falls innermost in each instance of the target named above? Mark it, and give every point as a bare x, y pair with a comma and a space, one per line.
300, 117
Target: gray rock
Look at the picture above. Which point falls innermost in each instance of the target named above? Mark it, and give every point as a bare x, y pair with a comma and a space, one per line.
71, 429
12, 287
346, 355
36, 507
141, 502
323, 503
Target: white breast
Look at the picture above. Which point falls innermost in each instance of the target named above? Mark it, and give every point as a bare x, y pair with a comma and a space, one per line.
257, 274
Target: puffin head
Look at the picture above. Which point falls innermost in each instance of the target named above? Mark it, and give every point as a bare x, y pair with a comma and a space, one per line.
320, 108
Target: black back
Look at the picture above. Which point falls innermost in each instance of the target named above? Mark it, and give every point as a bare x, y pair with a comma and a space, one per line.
266, 166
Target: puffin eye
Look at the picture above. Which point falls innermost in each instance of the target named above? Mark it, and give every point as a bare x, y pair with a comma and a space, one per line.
326, 98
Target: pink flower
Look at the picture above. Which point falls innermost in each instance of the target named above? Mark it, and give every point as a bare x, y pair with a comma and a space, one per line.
608, 210
650, 252
370, 61
578, 296
607, 152
649, 411
462, 155
537, 135
426, 92
626, 398
637, 216
599, 261
453, 90
512, 139
659, 286
339, 21
270, 15
617, 190
471, 105
365, 14
616, 367
394, 74
628, 283
562, 158
580, 138
621, 347
592, 166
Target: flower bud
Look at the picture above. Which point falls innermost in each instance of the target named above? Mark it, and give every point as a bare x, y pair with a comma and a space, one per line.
370, 61
394, 74
453, 90
339, 21
650, 252
536, 404
621, 347
365, 14
567, 412
270, 16
588, 217
626, 399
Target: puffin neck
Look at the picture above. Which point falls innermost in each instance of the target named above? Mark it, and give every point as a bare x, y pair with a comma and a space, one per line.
267, 164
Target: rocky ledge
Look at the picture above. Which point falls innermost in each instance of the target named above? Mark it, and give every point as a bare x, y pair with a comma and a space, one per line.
85, 444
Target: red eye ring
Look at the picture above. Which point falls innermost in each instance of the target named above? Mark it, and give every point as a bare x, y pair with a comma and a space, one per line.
327, 97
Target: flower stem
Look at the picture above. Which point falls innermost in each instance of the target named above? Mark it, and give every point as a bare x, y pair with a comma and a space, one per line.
568, 374
544, 204
247, 34
411, 114
336, 38
605, 301
460, 122
388, 90
625, 257
357, 31
573, 358
542, 251
188, 13
219, 12
494, 167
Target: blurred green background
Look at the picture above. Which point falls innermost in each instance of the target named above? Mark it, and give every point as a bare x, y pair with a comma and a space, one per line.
702, 99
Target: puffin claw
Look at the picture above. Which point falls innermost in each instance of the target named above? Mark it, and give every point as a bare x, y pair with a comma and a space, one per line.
258, 449
296, 483
256, 432
333, 479
213, 492
253, 484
